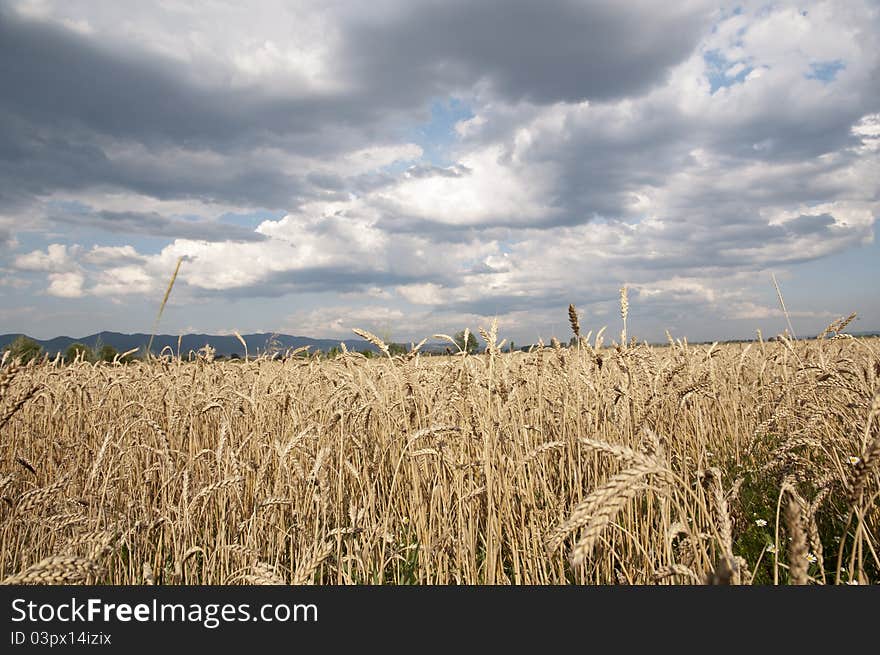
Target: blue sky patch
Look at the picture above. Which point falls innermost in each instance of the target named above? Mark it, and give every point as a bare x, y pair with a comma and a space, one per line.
825, 71
438, 135
718, 71
249, 219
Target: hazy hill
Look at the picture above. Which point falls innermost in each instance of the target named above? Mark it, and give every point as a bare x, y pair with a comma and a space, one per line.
225, 345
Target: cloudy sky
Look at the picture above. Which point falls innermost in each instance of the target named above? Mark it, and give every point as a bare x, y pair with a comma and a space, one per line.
411, 167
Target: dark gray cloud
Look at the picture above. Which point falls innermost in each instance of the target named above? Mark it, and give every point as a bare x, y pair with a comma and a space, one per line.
36, 160
72, 83
803, 225
327, 181
486, 304
69, 103
789, 131
75, 98
542, 52
601, 168
335, 279
154, 224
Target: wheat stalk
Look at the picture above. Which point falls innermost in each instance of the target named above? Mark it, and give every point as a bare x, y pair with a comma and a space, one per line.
264, 574
373, 339
797, 549
574, 321
600, 508
869, 458
162, 306
307, 567
782, 305
54, 570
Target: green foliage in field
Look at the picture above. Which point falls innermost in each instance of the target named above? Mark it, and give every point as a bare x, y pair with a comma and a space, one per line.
78, 351
468, 343
24, 349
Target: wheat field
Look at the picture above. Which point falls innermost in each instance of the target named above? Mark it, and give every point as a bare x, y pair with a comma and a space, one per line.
751, 463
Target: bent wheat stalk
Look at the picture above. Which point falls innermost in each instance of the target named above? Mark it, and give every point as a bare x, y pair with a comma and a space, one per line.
57, 569
602, 505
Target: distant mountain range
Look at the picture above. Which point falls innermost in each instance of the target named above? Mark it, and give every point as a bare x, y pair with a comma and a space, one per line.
225, 345
228, 345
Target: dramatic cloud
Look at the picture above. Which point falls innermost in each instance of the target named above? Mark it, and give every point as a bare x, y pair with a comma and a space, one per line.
521, 50
154, 224
426, 165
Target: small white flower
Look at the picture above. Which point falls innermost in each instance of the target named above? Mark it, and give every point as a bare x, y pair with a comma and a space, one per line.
855, 582
854, 460
709, 453
771, 548
811, 558
760, 523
